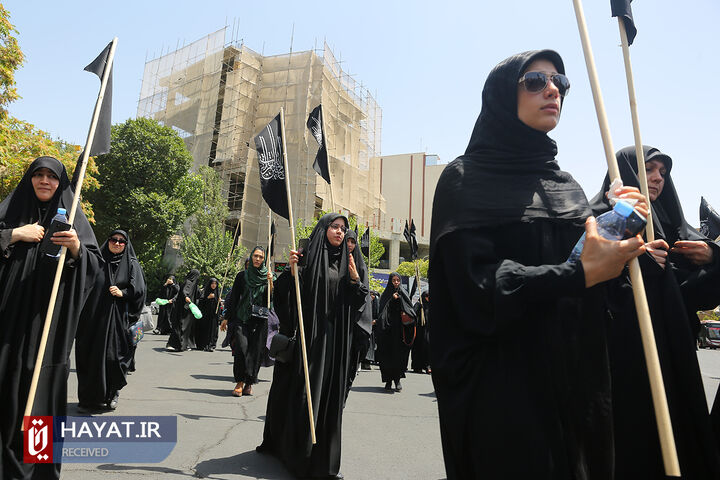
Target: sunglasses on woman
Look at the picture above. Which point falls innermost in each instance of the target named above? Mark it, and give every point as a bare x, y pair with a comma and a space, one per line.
119, 241
339, 226
536, 82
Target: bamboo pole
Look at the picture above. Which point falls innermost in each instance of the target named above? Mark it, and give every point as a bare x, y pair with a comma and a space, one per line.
227, 264
301, 326
71, 219
662, 414
267, 254
642, 175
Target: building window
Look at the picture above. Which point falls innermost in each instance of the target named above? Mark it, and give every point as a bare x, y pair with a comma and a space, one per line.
235, 192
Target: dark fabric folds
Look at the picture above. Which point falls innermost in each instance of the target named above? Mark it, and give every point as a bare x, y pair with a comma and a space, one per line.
394, 339
182, 336
169, 292
26, 278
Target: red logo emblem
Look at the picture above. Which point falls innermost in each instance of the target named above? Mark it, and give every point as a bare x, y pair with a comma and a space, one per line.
38, 440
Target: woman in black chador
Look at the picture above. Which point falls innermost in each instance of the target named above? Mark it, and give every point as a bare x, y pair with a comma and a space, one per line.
331, 289
395, 332
518, 352
204, 327
678, 282
169, 292
182, 336
247, 333
421, 347
104, 348
362, 317
26, 279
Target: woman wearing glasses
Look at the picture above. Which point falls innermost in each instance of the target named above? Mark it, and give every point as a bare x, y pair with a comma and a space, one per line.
26, 279
331, 291
104, 350
518, 348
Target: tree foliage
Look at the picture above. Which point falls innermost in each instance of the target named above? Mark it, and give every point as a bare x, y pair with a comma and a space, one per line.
11, 58
407, 269
147, 189
207, 244
21, 142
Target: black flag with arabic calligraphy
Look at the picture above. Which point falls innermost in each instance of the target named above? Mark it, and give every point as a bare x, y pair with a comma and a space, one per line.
315, 124
269, 145
709, 220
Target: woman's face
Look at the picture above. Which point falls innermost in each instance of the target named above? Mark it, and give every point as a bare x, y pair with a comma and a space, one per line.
213, 285
45, 183
351, 244
541, 110
257, 258
336, 232
396, 281
116, 243
656, 171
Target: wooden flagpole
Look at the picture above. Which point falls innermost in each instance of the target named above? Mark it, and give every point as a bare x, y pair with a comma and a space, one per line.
662, 414
642, 175
301, 326
227, 264
417, 279
267, 254
71, 219
327, 155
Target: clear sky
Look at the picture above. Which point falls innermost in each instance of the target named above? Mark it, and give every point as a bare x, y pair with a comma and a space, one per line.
426, 61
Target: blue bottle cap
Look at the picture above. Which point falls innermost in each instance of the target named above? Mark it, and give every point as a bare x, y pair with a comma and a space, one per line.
624, 209
62, 211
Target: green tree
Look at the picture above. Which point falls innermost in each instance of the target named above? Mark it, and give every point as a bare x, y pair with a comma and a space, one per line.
377, 249
407, 269
21, 142
208, 243
147, 189
11, 58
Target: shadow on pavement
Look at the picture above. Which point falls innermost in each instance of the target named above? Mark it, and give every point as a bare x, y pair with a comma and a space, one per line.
377, 389
431, 394
250, 464
221, 378
222, 392
145, 468
190, 416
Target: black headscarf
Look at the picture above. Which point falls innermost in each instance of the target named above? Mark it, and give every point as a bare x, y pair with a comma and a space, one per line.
123, 270
406, 303
668, 218
364, 320
22, 207
207, 290
508, 173
189, 286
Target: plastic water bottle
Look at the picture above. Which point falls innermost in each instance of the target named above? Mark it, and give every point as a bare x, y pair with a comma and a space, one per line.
61, 217
610, 225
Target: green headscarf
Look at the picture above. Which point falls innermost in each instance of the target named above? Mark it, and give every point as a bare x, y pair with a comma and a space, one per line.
255, 288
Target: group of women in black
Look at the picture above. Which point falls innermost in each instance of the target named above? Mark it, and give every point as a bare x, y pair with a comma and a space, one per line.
177, 318
540, 359
101, 294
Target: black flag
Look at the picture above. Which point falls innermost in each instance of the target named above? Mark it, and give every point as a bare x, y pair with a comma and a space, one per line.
314, 123
409, 234
271, 249
101, 140
621, 8
365, 243
268, 144
709, 220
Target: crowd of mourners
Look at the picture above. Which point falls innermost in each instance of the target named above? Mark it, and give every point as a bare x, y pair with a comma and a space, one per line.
573, 403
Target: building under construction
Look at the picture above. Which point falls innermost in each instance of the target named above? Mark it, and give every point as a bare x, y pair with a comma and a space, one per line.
218, 95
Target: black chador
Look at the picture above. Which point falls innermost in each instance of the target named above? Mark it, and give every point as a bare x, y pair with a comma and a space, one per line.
518, 351
421, 347
170, 293
182, 336
104, 350
673, 293
328, 297
362, 326
247, 333
206, 327
26, 278
395, 332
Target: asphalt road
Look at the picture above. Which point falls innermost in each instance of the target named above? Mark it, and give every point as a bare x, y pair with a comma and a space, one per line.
384, 435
